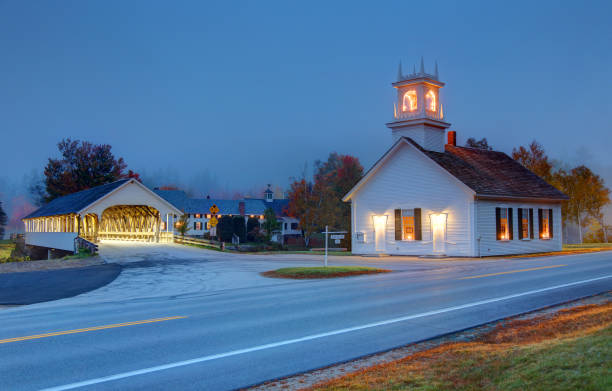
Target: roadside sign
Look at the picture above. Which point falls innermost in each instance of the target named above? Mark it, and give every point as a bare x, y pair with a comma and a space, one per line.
214, 209
337, 241
213, 221
336, 237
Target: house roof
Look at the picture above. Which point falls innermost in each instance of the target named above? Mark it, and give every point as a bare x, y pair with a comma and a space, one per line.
75, 202
489, 174
252, 206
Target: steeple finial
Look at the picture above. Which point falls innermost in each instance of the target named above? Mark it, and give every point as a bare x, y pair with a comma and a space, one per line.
436, 71
422, 66
399, 72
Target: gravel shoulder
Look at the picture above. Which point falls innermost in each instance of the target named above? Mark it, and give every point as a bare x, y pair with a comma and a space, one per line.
51, 264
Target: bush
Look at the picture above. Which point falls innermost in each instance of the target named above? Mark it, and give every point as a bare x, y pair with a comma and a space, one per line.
239, 228
252, 228
225, 229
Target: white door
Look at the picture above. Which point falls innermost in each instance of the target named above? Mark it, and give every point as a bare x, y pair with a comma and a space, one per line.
380, 228
438, 232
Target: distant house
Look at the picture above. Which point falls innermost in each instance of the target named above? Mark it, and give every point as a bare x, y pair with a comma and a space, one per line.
199, 215
425, 197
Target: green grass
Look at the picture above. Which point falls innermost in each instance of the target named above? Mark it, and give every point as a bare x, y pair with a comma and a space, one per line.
323, 272
83, 253
330, 253
582, 363
6, 247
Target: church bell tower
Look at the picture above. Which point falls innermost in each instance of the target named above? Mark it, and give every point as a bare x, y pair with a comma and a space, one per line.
417, 112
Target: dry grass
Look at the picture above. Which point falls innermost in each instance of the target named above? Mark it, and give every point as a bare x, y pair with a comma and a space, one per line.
568, 350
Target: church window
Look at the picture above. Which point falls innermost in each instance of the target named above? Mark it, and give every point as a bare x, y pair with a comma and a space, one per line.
503, 222
408, 224
409, 102
546, 224
197, 225
525, 220
430, 100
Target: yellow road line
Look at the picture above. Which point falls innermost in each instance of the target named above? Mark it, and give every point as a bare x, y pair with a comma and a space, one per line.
513, 271
108, 326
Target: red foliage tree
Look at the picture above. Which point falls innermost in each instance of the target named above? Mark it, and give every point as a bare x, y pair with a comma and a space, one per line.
83, 165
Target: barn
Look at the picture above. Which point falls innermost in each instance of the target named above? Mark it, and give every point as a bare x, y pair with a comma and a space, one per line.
121, 210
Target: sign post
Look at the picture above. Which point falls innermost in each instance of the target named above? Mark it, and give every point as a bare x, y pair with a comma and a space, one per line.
335, 237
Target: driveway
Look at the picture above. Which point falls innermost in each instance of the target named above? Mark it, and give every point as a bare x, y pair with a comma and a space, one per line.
173, 270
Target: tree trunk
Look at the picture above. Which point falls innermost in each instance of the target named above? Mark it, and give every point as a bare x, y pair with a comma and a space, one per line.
603, 229
579, 226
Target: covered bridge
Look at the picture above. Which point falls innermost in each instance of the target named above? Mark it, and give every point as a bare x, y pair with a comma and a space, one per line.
121, 210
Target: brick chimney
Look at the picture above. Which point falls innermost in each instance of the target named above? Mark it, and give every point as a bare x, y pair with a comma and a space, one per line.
452, 138
241, 208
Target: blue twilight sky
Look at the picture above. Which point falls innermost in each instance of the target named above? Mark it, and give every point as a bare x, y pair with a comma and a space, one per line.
233, 95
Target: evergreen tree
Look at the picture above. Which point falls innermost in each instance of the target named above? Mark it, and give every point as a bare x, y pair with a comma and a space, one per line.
3, 221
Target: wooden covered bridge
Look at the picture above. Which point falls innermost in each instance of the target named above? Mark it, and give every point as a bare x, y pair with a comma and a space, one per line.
122, 210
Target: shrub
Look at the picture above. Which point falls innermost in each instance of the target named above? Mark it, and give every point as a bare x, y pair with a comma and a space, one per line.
239, 228
225, 229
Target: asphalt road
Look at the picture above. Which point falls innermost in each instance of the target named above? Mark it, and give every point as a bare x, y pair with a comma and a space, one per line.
230, 338
39, 286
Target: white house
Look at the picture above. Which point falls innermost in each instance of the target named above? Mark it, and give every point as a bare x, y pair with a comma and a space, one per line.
425, 197
198, 211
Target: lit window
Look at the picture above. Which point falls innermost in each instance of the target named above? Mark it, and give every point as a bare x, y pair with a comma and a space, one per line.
545, 231
198, 216
162, 226
430, 100
407, 224
504, 224
197, 225
524, 223
409, 103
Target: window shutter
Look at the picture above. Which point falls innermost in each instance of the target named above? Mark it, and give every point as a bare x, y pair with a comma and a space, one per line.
498, 223
550, 223
194, 225
510, 225
398, 224
531, 223
520, 223
540, 223
418, 232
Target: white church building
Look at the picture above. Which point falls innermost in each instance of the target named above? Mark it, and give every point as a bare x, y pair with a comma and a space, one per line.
428, 197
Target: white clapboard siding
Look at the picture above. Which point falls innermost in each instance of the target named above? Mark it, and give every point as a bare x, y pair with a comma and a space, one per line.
489, 245
409, 180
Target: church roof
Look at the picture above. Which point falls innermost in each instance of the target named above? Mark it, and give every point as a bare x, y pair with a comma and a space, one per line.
75, 202
490, 174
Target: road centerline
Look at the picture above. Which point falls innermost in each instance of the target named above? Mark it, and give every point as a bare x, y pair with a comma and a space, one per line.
308, 337
86, 329
512, 271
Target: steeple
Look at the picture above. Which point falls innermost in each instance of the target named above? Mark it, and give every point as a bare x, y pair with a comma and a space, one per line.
399, 72
417, 112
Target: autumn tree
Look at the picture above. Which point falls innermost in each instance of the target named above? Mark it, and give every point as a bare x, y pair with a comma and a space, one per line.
479, 144
320, 203
82, 166
303, 203
534, 158
333, 179
3, 221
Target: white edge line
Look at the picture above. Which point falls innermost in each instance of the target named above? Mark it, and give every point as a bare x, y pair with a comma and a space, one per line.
306, 338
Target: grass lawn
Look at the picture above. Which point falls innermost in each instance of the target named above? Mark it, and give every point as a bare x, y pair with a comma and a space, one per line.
6, 247
568, 350
83, 253
322, 272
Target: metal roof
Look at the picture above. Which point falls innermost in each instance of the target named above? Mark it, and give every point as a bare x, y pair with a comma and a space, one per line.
75, 202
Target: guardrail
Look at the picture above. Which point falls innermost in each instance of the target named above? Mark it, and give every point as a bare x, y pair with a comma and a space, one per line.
203, 242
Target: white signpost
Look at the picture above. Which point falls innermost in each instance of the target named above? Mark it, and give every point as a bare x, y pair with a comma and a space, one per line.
336, 236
